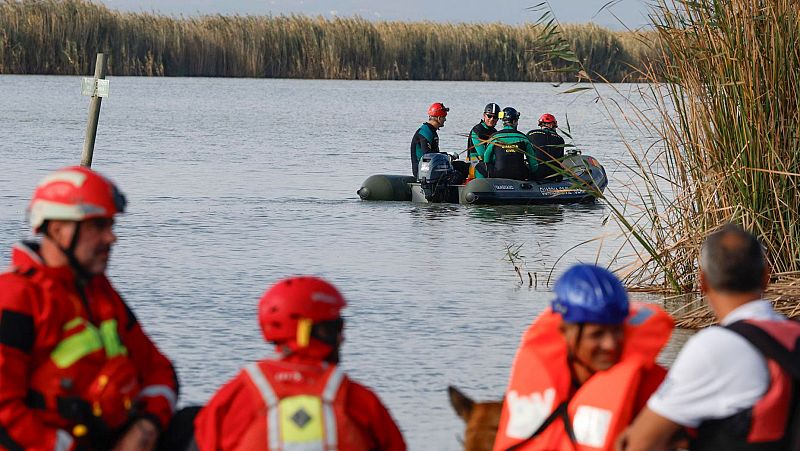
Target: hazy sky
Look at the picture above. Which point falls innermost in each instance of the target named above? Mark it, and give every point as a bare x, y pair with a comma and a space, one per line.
632, 13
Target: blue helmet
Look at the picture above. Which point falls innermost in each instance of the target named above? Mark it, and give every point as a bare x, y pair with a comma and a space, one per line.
590, 294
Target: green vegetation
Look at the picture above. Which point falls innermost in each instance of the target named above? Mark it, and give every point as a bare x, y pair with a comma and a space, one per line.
62, 37
729, 150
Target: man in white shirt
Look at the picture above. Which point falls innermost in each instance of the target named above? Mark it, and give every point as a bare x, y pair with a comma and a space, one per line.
720, 376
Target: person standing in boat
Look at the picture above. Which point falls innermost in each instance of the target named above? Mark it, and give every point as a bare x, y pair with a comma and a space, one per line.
302, 399
509, 153
76, 368
426, 139
549, 149
584, 368
733, 386
481, 132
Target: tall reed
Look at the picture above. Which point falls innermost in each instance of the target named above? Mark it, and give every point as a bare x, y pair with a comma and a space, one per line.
62, 37
729, 127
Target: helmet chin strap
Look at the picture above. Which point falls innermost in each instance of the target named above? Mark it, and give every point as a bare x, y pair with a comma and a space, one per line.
332, 357
81, 272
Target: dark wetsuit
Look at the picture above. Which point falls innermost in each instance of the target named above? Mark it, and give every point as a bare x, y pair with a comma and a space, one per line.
425, 140
549, 147
478, 137
509, 155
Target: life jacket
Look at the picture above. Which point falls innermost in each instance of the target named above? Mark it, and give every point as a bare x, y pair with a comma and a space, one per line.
304, 409
510, 151
773, 423
548, 146
87, 380
538, 412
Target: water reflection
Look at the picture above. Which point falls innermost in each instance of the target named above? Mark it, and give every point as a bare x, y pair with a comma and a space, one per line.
536, 214
435, 212
216, 215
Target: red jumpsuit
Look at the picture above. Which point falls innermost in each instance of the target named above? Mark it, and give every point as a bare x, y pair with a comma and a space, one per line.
238, 416
56, 336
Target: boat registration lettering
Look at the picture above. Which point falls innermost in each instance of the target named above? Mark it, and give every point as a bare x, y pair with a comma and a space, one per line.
505, 187
550, 191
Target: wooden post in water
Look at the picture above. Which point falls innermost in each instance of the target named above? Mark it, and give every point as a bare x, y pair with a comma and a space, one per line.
96, 89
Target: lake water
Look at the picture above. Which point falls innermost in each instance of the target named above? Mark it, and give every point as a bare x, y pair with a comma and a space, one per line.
235, 183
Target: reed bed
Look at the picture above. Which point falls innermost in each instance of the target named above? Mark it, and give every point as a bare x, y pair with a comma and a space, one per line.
728, 122
62, 37
784, 292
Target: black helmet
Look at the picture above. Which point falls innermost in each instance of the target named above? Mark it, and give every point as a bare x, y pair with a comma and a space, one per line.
492, 108
509, 114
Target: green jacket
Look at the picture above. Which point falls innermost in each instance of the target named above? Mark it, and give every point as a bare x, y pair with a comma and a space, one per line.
504, 149
478, 137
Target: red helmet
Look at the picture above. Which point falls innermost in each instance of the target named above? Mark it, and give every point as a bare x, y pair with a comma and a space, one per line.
437, 110
548, 118
74, 194
289, 308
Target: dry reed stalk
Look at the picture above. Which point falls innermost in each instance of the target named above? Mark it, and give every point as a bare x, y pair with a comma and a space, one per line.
62, 37
728, 148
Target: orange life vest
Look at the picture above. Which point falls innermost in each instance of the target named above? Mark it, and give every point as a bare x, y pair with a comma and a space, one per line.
304, 409
537, 403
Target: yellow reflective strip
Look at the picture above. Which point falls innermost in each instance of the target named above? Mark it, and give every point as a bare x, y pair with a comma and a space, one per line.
111, 340
73, 323
72, 349
301, 419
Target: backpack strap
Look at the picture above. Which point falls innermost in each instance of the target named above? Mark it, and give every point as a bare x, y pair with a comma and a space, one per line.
788, 359
560, 412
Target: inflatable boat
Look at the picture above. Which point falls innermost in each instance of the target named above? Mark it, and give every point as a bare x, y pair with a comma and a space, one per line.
584, 179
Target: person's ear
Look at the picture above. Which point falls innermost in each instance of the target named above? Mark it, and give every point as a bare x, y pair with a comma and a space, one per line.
58, 231
765, 277
703, 282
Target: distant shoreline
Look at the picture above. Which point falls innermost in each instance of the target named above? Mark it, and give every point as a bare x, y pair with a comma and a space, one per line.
62, 37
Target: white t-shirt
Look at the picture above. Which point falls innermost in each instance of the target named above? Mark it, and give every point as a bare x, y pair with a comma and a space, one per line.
717, 373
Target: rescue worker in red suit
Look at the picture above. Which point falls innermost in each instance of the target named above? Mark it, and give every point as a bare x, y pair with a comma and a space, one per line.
584, 368
303, 399
735, 386
76, 369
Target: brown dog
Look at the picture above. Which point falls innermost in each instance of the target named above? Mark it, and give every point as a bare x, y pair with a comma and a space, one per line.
482, 419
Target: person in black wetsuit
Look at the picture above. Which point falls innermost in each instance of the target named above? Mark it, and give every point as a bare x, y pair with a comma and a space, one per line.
549, 149
426, 140
509, 154
480, 133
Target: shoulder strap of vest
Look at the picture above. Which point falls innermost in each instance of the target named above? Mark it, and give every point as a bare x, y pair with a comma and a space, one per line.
560, 412
335, 380
332, 386
271, 400
789, 360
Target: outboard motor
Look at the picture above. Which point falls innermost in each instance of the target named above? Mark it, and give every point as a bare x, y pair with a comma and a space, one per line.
436, 174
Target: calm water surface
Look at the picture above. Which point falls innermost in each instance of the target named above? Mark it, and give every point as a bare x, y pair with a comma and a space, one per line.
234, 184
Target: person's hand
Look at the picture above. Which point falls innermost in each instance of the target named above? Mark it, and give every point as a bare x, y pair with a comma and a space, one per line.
141, 436
454, 156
